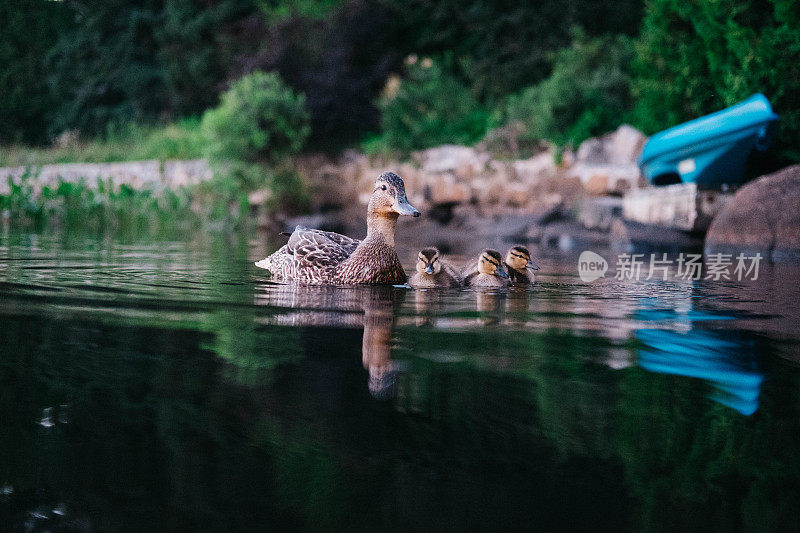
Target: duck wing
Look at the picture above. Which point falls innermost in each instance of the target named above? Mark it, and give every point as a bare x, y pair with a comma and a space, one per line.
470, 270
348, 243
304, 236
314, 250
309, 256
453, 272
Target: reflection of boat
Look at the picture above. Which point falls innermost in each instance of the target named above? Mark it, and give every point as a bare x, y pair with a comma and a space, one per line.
727, 363
711, 150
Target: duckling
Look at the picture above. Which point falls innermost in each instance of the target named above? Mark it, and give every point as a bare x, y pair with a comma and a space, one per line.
318, 257
519, 265
433, 272
490, 272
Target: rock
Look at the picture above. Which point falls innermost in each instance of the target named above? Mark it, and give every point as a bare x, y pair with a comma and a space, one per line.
504, 141
608, 164
452, 158
629, 236
598, 213
606, 179
626, 145
763, 216
592, 151
500, 172
554, 211
568, 235
620, 147
443, 189
185, 173
681, 206
517, 194
597, 183
259, 197
486, 191
533, 169
136, 174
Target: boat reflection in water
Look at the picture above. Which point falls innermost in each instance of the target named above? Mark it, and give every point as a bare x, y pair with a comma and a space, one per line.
728, 363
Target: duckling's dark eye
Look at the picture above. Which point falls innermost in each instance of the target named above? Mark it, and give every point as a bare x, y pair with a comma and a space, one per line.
383, 187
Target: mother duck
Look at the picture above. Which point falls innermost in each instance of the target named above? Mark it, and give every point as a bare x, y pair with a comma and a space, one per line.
319, 257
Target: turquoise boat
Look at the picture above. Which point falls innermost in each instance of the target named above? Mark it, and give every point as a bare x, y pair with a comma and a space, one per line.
710, 151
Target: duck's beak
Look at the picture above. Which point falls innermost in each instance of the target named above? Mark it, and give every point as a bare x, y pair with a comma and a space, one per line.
402, 206
532, 265
429, 269
502, 273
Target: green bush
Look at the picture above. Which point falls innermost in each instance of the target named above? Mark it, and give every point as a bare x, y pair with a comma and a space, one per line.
428, 108
693, 58
587, 93
259, 119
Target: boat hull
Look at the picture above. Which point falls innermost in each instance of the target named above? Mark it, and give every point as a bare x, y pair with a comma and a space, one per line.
710, 151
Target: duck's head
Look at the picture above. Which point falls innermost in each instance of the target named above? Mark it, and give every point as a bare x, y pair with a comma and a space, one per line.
491, 262
428, 261
389, 196
519, 258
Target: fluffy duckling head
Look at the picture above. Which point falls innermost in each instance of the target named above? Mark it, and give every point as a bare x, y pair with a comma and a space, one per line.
491, 262
519, 258
428, 261
389, 196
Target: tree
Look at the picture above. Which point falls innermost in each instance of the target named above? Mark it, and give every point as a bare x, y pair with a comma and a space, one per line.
506, 45
105, 66
693, 58
588, 93
30, 28
140, 60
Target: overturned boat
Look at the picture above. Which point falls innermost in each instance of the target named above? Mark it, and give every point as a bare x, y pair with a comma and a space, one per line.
710, 151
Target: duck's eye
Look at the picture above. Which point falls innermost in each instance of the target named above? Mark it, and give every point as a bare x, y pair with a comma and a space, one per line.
383, 187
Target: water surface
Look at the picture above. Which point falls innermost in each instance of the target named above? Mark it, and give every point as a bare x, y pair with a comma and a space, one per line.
168, 385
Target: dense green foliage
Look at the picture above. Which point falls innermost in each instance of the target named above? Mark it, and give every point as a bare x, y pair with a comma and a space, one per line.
72, 65
126, 60
506, 45
29, 30
258, 119
587, 93
338, 55
149, 60
430, 107
693, 58
258, 124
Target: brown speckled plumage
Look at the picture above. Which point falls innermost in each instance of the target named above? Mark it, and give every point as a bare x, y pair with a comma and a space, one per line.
319, 257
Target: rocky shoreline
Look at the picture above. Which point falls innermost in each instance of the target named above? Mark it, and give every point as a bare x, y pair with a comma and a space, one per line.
591, 198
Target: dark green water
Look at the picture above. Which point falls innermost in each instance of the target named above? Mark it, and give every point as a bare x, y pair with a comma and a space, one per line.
168, 386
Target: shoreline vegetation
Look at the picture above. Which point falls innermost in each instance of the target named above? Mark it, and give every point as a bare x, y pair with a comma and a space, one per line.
201, 84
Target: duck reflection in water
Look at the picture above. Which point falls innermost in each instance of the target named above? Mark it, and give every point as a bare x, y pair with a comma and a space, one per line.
370, 307
493, 306
426, 304
490, 307
376, 347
